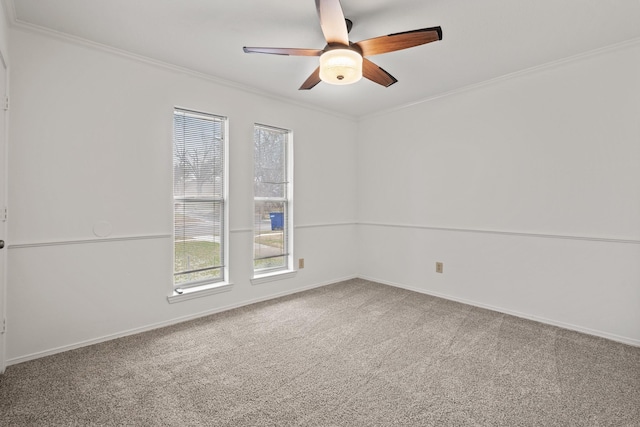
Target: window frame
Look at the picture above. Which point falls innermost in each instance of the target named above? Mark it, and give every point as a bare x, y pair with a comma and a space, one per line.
207, 286
276, 273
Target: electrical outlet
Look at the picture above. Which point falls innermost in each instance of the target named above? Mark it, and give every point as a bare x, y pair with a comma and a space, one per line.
439, 267
300, 263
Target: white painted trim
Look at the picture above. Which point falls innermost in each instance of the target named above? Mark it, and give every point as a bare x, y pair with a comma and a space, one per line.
24, 245
15, 22
504, 232
170, 322
85, 241
563, 325
506, 77
25, 26
32, 356
298, 227
199, 292
272, 277
331, 224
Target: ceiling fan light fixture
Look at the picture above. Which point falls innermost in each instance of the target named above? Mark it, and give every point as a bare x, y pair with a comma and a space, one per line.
340, 66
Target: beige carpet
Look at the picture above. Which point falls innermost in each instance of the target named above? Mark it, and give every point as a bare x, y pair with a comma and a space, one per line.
355, 353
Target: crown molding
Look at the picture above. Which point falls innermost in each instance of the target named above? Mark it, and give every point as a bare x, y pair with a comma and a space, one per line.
18, 24
506, 77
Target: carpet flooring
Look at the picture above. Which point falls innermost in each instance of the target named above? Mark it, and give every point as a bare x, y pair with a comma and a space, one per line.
355, 353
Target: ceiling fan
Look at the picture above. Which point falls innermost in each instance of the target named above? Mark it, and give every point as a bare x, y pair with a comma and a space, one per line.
343, 62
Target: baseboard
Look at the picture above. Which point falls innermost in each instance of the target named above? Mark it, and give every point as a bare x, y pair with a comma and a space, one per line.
563, 325
149, 327
170, 322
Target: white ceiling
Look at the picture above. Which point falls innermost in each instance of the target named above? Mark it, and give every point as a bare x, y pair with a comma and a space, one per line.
482, 39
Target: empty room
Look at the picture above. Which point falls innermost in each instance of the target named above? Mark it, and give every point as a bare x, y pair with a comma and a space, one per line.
320, 213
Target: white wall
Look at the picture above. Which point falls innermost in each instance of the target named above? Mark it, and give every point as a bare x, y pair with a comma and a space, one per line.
91, 141
527, 188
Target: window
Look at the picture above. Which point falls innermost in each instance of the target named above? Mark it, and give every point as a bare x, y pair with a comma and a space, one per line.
199, 198
273, 190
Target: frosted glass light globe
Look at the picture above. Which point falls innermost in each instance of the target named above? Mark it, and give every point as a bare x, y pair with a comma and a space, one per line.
340, 66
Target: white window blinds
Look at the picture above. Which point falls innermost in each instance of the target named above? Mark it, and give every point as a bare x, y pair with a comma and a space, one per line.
199, 199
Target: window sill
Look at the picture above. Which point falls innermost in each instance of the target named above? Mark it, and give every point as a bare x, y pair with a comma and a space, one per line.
271, 277
199, 291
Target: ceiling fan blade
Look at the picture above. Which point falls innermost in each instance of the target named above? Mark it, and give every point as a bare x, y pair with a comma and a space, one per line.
399, 41
376, 74
283, 51
313, 80
334, 26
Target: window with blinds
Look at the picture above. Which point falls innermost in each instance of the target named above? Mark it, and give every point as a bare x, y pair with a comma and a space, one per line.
198, 198
273, 189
